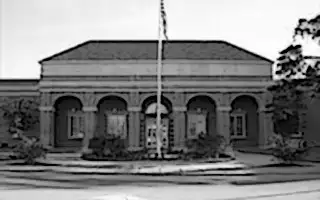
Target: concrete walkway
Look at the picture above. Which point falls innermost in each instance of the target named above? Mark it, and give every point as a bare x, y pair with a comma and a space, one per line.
131, 168
246, 164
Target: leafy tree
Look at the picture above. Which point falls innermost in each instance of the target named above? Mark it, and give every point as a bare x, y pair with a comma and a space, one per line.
292, 63
299, 81
22, 114
287, 102
298, 74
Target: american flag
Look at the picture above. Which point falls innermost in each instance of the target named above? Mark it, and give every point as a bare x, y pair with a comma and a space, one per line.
163, 19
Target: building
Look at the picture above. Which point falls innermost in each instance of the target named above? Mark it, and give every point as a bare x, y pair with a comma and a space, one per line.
101, 87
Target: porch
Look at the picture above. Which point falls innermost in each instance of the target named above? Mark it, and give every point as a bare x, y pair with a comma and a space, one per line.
74, 119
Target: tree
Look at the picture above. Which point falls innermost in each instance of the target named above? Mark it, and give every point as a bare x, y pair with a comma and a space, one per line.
292, 63
22, 114
299, 78
298, 75
287, 102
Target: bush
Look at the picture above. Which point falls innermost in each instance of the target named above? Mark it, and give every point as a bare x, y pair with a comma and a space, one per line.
282, 148
206, 146
29, 150
106, 148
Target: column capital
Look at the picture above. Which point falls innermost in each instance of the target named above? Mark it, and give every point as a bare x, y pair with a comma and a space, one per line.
180, 109
134, 109
224, 108
89, 109
46, 108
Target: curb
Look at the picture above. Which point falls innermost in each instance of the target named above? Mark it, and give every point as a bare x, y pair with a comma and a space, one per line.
98, 171
253, 182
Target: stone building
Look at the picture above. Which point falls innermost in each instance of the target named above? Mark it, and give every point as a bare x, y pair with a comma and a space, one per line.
101, 87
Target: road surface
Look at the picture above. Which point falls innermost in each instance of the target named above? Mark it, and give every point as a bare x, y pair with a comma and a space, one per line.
308, 190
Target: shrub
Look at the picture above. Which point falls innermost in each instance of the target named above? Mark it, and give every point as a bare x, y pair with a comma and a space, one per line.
114, 147
106, 148
282, 148
206, 146
29, 150
97, 144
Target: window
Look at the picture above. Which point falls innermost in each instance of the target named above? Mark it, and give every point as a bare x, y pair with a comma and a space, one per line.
197, 123
116, 124
238, 129
152, 109
75, 125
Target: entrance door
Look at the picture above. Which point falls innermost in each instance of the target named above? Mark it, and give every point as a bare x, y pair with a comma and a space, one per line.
151, 132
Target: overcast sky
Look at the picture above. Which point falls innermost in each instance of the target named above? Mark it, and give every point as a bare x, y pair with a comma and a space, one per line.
34, 29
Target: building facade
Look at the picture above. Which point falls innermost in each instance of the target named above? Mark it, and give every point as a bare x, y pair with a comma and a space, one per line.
109, 87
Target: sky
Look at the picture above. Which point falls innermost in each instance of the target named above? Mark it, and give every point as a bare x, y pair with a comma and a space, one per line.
31, 30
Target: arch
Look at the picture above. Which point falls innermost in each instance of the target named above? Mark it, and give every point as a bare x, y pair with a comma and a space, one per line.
63, 98
245, 108
63, 106
245, 98
101, 97
164, 98
148, 122
256, 98
107, 106
56, 97
152, 108
152, 99
114, 101
201, 110
203, 102
191, 96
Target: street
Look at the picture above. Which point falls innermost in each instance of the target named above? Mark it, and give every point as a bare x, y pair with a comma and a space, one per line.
306, 190
78, 187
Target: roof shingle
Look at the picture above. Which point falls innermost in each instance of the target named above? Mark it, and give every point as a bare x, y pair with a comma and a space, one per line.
147, 50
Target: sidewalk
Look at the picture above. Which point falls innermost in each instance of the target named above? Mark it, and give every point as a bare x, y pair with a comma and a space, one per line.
139, 168
245, 165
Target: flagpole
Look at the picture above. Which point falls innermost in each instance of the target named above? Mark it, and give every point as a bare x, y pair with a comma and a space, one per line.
159, 71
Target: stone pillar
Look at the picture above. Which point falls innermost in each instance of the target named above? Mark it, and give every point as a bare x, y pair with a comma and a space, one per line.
90, 126
223, 121
265, 127
134, 128
179, 115
47, 125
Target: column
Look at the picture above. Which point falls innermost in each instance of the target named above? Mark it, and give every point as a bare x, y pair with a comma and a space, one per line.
179, 114
90, 126
134, 128
46, 125
223, 121
265, 127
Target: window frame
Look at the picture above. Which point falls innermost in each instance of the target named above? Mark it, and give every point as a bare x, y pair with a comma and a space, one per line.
233, 126
116, 112
78, 115
198, 111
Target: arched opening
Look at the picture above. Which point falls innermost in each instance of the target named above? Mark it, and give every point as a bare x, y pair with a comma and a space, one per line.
201, 116
112, 117
244, 121
148, 123
69, 122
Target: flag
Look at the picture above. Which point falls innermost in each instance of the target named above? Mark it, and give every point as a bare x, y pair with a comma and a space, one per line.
163, 19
